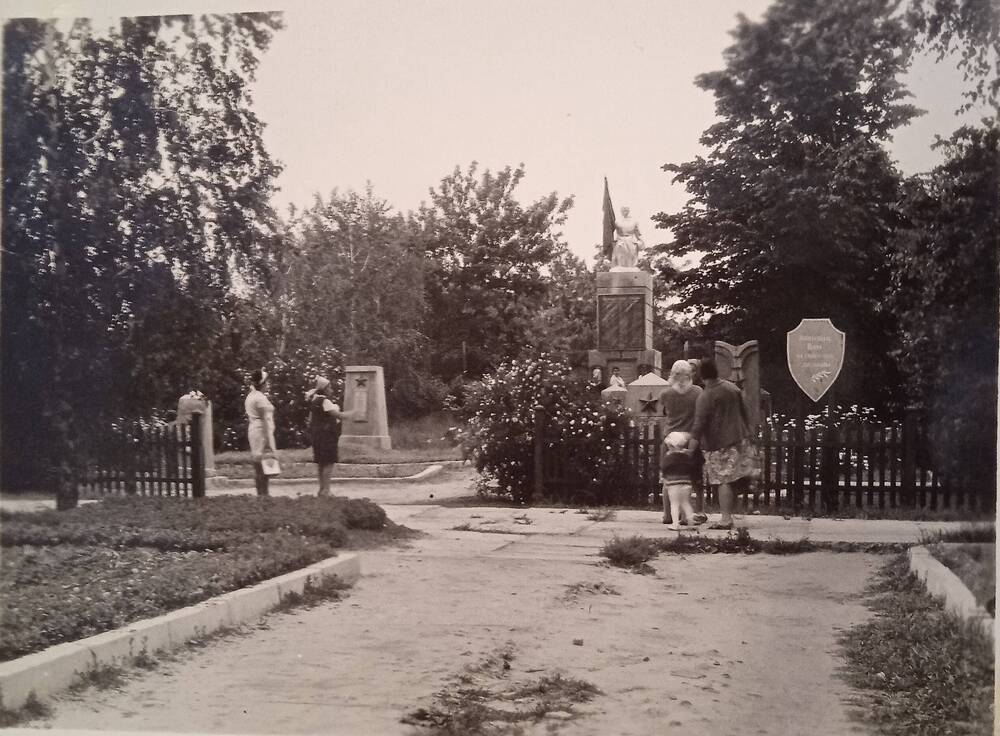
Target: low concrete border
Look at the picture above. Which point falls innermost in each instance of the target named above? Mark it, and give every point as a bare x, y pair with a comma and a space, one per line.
943, 583
55, 668
428, 472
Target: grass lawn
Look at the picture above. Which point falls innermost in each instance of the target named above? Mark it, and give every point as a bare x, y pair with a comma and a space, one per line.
974, 564
413, 441
72, 574
920, 671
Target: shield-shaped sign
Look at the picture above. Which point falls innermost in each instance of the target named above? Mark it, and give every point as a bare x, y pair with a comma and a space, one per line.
815, 356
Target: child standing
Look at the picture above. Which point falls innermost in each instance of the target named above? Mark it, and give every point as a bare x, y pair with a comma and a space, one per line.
676, 466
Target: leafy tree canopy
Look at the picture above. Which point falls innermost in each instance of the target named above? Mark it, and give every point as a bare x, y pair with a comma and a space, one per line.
793, 205
135, 182
486, 252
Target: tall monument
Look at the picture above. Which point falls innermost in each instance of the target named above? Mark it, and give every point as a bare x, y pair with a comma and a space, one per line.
624, 302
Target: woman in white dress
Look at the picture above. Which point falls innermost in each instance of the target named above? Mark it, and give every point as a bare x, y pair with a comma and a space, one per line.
260, 429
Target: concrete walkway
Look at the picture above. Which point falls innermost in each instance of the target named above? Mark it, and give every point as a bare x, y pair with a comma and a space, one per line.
710, 644
413, 503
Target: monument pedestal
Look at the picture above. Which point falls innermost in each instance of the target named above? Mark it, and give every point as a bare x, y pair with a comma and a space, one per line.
625, 324
364, 394
643, 400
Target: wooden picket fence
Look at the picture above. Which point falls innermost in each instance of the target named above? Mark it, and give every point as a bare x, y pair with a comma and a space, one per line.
859, 465
151, 461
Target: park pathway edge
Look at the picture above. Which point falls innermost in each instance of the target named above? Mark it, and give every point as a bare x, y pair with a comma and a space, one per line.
943, 583
46, 672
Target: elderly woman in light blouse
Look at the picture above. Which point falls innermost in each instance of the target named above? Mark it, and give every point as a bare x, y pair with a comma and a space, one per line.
260, 430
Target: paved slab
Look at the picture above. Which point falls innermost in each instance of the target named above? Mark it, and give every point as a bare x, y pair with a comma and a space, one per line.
713, 644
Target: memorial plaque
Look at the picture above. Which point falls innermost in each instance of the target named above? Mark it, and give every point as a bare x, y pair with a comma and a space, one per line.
620, 322
815, 356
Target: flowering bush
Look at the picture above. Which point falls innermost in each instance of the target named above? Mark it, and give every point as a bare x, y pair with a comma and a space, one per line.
581, 434
828, 418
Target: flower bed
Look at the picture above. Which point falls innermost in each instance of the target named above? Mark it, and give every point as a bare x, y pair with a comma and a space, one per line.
68, 575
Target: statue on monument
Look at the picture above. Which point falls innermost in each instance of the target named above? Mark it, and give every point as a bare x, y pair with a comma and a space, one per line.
628, 242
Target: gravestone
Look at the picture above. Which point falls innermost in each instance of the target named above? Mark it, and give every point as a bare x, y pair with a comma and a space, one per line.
364, 397
741, 365
195, 402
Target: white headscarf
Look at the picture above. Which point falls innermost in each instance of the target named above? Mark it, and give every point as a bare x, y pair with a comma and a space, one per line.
681, 375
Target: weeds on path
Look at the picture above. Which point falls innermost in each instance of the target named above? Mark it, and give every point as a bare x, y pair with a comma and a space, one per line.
489, 698
32, 709
635, 552
921, 671
329, 588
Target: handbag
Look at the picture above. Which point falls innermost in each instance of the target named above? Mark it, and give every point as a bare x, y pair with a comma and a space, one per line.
270, 466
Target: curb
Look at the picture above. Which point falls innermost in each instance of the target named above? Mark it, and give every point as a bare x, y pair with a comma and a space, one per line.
427, 472
943, 583
45, 673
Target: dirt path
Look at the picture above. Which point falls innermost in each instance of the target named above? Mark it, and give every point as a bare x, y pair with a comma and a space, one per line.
713, 644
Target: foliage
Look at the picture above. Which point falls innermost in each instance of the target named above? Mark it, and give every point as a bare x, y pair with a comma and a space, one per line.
975, 565
984, 533
920, 670
630, 552
135, 185
149, 556
291, 375
492, 697
946, 288
970, 27
501, 430
635, 552
793, 206
565, 323
355, 281
218, 523
484, 252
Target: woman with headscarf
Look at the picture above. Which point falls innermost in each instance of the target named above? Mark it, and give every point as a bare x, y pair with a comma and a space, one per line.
678, 400
260, 427
324, 425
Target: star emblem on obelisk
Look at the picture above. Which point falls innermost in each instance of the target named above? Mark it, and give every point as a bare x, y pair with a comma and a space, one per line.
648, 404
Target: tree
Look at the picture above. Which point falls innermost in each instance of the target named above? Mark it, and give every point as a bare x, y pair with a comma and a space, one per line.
485, 255
946, 287
135, 182
565, 324
355, 283
792, 208
970, 27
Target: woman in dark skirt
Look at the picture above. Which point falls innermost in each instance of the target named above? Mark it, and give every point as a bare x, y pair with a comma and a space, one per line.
324, 424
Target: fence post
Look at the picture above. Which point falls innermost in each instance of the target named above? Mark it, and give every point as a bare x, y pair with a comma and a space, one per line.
910, 456
539, 449
132, 448
197, 458
830, 469
798, 454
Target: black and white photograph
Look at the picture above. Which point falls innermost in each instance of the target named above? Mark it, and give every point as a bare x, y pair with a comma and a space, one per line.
553, 368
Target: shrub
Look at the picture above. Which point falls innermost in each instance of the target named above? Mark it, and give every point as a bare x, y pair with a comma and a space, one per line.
291, 376
581, 432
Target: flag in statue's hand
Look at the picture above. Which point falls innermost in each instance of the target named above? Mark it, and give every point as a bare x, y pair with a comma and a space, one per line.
608, 242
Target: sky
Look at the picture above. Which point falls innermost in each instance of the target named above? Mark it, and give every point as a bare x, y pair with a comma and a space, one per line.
399, 92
